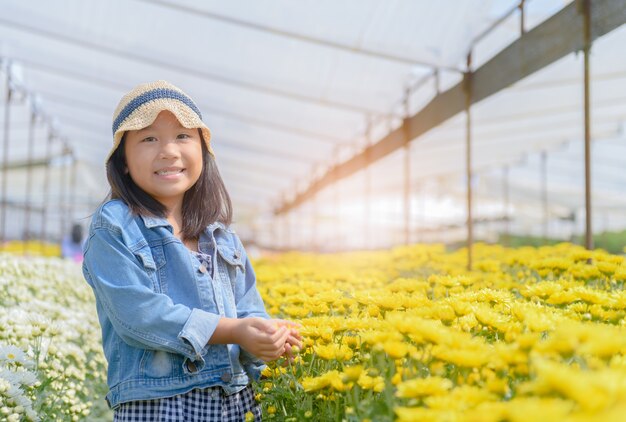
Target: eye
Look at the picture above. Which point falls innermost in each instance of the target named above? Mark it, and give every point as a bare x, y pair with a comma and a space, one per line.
149, 139
183, 136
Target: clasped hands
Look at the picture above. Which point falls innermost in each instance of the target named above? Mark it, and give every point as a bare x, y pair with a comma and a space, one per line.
270, 339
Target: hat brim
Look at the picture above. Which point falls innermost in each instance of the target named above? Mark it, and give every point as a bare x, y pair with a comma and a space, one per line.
147, 113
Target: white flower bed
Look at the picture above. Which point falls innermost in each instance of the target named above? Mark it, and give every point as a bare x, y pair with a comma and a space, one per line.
51, 361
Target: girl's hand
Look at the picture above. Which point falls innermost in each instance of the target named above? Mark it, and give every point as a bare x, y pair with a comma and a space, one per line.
262, 337
293, 340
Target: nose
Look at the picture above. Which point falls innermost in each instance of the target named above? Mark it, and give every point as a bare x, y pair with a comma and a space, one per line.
169, 149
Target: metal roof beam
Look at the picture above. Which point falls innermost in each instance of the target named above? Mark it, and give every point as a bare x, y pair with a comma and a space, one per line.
555, 38
189, 70
303, 38
100, 82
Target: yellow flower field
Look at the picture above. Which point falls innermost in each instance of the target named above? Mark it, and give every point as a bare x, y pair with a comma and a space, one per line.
410, 334
407, 334
31, 248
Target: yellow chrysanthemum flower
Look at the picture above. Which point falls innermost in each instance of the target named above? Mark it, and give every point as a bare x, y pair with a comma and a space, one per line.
421, 387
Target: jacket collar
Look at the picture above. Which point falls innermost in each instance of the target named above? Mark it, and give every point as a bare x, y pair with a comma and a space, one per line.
151, 222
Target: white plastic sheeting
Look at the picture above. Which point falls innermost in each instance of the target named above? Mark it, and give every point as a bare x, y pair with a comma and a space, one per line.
287, 89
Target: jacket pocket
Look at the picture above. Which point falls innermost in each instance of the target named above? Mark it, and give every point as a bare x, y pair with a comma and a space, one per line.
231, 255
233, 263
156, 364
144, 255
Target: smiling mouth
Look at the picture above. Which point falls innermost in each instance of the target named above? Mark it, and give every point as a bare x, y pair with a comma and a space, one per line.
168, 172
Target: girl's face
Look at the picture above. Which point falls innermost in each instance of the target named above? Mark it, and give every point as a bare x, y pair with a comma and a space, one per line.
164, 159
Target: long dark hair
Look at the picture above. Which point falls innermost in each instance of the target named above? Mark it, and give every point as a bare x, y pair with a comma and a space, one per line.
206, 202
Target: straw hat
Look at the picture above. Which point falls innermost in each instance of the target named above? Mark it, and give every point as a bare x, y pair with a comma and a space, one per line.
140, 107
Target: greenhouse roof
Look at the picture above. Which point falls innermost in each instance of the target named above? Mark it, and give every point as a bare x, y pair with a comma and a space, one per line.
289, 89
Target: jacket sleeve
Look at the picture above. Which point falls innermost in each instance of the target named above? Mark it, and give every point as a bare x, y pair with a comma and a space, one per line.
139, 315
249, 304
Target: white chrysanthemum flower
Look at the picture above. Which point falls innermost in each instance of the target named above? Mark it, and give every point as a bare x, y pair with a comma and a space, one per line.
29, 378
24, 402
14, 392
32, 415
12, 354
49, 310
39, 322
9, 376
4, 385
19, 376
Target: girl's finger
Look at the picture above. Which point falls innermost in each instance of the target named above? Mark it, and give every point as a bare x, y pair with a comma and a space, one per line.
263, 337
296, 334
281, 332
290, 324
295, 343
271, 347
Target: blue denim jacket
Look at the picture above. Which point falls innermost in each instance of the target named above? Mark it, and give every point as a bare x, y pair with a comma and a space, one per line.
158, 306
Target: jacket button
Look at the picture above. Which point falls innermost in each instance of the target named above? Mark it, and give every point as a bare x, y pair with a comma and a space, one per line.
191, 366
227, 376
202, 268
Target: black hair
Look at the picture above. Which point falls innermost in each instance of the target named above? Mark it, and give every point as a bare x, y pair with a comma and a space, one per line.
206, 202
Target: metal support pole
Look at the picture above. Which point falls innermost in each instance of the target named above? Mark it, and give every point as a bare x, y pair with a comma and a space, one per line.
522, 18
278, 241
5, 154
289, 231
407, 173
338, 216
297, 228
301, 222
46, 186
313, 223
368, 184
467, 78
336, 205
282, 225
73, 187
440, 233
293, 227
421, 212
605, 227
367, 208
62, 193
544, 194
505, 188
407, 193
29, 178
586, 51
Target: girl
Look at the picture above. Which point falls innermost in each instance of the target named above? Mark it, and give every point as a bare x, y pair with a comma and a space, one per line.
184, 329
